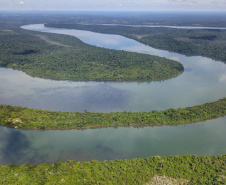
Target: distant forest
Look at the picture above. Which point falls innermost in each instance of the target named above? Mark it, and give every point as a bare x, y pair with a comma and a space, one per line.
209, 43
64, 57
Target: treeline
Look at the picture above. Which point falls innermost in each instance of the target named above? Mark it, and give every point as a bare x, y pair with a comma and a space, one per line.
185, 169
200, 42
21, 117
63, 57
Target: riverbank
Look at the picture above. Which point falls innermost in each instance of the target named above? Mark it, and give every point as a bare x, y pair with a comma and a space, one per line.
186, 169
21, 117
190, 42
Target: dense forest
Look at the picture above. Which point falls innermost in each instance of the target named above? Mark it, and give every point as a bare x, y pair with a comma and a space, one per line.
186, 169
209, 43
67, 58
21, 117
203, 19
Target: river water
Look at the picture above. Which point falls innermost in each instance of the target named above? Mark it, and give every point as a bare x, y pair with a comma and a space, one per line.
204, 80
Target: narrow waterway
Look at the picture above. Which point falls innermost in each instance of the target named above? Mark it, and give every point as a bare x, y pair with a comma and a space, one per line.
35, 146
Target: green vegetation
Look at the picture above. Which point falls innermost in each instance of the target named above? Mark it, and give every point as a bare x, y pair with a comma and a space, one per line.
63, 57
206, 43
19, 117
201, 42
187, 169
67, 58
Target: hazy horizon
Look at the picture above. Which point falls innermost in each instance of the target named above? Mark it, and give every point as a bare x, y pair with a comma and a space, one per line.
114, 5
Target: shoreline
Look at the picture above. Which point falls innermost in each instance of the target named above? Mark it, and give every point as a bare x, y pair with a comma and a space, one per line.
120, 125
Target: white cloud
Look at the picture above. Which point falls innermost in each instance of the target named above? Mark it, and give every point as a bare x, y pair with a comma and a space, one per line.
178, 0
145, 5
222, 78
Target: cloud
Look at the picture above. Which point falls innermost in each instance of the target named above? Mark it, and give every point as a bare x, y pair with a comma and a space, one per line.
184, 1
178, 1
222, 78
144, 5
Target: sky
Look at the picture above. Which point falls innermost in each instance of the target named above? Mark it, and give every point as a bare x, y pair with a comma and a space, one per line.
115, 5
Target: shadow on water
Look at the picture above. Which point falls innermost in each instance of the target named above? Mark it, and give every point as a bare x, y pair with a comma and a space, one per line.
202, 81
37, 146
16, 148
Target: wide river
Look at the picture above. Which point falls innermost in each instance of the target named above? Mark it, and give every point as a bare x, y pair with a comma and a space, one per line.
204, 80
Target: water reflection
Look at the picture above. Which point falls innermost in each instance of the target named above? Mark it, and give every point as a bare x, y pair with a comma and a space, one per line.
203, 81
19, 89
14, 146
164, 26
35, 146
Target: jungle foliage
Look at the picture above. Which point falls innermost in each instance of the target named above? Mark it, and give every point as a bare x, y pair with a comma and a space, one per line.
21, 117
192, 169
67, 58
209, 43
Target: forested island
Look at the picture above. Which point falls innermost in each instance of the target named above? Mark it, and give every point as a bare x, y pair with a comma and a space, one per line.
21, 117
191, 42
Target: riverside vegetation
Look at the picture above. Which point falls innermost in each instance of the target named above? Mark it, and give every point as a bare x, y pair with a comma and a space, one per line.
186, 169
21, 117
182, 169
209, 43
67, 58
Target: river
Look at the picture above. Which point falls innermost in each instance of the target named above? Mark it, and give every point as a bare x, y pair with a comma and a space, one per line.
204, 80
